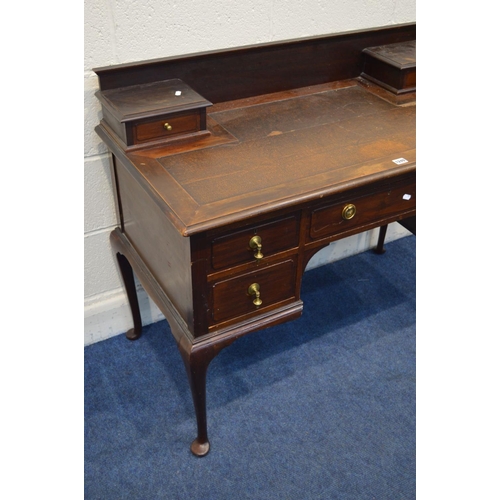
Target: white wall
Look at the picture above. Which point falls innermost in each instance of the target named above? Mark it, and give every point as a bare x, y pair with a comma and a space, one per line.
119, 31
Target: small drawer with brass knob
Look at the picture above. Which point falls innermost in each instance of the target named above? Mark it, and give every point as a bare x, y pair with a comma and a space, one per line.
250, 292
256, 243
152, 113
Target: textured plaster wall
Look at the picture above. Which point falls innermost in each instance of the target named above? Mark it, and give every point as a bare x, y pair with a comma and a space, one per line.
119, 31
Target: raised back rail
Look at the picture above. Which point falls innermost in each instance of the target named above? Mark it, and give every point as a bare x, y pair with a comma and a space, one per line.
226, 75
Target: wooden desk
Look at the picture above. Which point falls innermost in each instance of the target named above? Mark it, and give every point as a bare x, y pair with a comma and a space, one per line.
219, 221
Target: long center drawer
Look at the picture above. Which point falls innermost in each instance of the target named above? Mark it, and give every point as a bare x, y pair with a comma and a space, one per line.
361, 211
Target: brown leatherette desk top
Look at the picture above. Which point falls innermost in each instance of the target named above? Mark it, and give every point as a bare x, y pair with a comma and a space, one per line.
267, 155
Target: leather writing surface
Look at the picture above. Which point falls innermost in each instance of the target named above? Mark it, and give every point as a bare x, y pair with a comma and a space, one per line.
288, 115
281, 164
200, 187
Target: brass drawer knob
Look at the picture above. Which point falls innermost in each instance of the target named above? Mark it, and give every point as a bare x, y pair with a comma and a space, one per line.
254, 291
167, 126
256, 245
349, 211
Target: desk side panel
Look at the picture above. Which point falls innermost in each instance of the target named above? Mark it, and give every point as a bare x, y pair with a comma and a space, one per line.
162, 248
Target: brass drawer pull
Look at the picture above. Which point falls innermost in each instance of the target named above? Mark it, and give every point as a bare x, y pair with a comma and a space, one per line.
256, 245
254, 290
167, 126
349, 211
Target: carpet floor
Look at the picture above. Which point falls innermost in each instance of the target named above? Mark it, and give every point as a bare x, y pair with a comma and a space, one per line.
322, 407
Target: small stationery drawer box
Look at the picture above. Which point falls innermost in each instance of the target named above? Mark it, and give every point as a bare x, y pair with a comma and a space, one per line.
153, 112
253, 291
351, 214
255, 243
393, 66
166, 126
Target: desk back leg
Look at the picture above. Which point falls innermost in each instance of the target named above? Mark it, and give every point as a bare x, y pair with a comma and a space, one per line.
409, 223
381, 238
129, 282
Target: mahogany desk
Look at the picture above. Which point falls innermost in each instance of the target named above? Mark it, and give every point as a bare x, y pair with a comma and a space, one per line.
228, 178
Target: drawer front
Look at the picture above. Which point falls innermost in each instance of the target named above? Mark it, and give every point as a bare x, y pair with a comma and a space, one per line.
234, 297
168, 125
333, 219
243, 246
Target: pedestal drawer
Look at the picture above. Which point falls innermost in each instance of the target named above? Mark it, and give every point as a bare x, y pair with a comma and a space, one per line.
361, 211
255, 243
253, 291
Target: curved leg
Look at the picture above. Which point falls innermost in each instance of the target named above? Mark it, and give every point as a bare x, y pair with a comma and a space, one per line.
128, 280
381, 238
196, 366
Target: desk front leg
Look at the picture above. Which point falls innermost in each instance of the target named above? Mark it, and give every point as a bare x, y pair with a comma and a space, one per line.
196, 357
196, 363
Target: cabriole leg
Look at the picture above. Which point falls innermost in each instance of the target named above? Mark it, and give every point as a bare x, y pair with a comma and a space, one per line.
129, 282
196, 366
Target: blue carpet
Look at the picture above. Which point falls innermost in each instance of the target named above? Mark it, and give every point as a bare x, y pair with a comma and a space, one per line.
322, 407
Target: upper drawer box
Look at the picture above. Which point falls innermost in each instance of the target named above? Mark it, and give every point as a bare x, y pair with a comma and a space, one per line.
362, 211
255, 243
392, 66
146, 114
